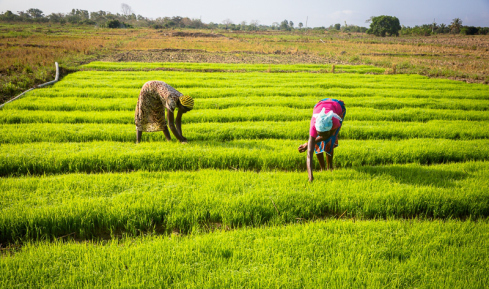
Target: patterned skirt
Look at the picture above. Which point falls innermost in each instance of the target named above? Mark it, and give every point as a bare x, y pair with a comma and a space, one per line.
150, 115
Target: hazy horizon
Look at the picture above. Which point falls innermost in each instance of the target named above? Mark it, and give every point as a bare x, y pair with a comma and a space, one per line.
314, 13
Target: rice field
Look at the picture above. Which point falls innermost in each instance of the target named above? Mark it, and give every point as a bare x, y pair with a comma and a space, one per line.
407, 205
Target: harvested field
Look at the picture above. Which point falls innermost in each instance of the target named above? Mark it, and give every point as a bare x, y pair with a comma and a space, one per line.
183, 55
193, 34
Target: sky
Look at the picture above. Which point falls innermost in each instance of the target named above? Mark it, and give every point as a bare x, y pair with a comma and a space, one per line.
314, 13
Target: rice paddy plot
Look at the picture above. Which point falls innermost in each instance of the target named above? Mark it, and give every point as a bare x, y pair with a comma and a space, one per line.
54, 101
237, 114
226, 67
279, 130
268, 84
44, 207
233, 207
336, 253
257, 155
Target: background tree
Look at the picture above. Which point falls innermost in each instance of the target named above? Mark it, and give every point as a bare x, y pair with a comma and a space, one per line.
227, 22
469, 30
56, 18
300, 25
35, 13
284, 25
337, 26
23, 15
384, 25
242, 25
455, 26
9, 16
126, 10
254, 24
442, 28
114, 23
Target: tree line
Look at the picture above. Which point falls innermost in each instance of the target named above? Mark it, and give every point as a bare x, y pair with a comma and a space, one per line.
128, 19
390, 26
455, 27
380, 25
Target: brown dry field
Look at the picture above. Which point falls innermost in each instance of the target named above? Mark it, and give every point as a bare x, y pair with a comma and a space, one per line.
28, 51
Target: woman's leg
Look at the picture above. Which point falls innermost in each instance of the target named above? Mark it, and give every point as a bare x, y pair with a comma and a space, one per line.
329, 158
167, 133
321, 161
138, 135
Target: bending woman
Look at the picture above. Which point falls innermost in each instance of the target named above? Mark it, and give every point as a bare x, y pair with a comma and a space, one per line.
326, 121
156, 97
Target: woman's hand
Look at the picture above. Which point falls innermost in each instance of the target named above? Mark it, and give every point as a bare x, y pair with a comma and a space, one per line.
302, 148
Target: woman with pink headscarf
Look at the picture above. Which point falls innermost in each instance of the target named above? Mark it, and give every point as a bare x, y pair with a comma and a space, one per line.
326, 121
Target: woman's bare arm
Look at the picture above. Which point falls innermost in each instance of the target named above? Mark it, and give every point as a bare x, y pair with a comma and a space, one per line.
178, 122
310, 160
171, 124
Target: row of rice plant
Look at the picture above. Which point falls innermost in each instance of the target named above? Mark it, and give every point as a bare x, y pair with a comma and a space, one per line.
98, 65
91, 204
52, 101
292, 130
202, 93
336, 254
269, 83
251, 113
266, 154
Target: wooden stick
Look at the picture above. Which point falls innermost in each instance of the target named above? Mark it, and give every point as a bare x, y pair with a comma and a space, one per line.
342, 214
274, 205
66, 235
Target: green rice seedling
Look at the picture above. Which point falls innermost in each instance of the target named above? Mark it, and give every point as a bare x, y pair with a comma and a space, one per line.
464, 97
99, 65
213, 85
266, 154
237, 114
292, 130
91, 204
55, 102
336, 253
294, 81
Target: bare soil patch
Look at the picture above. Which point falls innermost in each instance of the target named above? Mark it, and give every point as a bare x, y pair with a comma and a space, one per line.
194, 34
202, 56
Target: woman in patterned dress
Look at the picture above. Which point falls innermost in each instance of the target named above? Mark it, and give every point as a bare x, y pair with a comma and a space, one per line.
326, 122
156, 97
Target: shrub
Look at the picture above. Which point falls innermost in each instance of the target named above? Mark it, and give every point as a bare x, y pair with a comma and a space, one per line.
469, 30
113, 23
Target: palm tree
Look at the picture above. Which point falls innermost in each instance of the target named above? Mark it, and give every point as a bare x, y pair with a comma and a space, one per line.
456, 25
